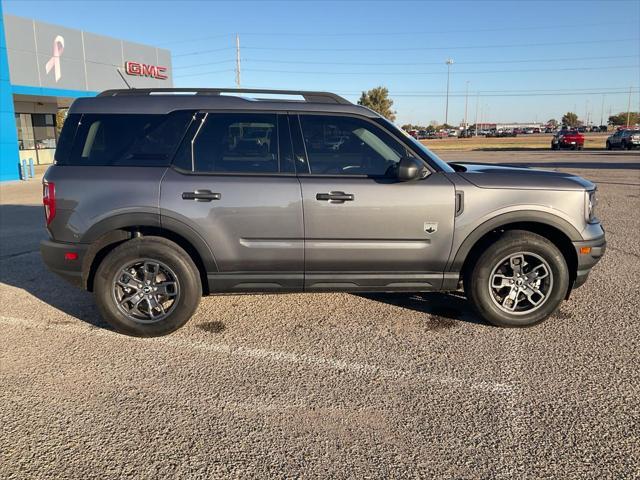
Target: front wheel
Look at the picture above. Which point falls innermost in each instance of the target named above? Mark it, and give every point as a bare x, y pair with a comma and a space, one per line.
608, 145
147, 287
518, 281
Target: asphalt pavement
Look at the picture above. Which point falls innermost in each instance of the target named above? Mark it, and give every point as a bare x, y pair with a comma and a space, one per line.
326, 385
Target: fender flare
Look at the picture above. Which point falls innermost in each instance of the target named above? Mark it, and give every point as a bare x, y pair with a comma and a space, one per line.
498, 221
152, 220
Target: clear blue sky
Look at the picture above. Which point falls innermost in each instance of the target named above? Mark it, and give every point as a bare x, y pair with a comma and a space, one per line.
347, 47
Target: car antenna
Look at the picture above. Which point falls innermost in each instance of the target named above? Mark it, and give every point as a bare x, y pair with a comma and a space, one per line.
124, 79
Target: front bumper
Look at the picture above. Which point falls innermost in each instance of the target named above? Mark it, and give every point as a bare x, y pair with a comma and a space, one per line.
587, 260
54, 257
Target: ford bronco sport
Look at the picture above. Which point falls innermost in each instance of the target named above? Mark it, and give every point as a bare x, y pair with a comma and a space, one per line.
158, 197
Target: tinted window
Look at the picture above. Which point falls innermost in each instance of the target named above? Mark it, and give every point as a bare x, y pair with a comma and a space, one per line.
126, 140
65, 142
242, 143
349, 146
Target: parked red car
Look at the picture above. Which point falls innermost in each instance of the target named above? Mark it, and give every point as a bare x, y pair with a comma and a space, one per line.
567, 139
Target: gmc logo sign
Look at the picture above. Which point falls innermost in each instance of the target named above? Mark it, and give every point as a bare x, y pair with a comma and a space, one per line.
144, 70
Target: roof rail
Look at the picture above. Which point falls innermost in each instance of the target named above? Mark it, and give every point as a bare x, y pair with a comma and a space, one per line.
311, 97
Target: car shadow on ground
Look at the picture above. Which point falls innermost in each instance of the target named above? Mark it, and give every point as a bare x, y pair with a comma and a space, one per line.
21, 266
445, 309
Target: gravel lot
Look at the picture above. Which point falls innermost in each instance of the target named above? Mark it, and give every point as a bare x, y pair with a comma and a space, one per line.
326, 385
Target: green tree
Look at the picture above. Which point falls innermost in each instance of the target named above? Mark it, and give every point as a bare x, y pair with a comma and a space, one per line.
553, 123
377, 99
621, 118
570, 119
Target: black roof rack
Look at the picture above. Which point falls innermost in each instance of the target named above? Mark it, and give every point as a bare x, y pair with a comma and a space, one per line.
311, 97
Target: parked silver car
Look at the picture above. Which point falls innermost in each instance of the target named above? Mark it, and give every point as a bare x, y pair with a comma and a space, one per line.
156, 199
624, 138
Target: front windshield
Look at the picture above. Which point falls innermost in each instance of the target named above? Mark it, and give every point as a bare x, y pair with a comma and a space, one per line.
444, 166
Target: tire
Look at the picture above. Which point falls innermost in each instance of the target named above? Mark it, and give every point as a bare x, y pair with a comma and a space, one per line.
478, 278
608, 145
580, 147
121, 276
554, 146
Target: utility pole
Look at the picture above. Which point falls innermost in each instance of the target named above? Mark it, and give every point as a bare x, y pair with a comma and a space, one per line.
586, 112
449, 62
477, 103
466, 101
237, 61
602, 111
629, 107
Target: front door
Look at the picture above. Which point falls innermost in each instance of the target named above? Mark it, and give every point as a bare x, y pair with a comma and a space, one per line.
233, 183
364, 229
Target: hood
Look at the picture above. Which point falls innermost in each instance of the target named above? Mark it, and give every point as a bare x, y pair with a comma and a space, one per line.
502, 176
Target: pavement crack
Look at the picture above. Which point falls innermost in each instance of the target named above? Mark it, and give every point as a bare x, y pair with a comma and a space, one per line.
17, 254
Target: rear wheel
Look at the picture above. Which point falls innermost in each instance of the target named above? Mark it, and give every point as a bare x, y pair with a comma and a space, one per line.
518, 281
147, 287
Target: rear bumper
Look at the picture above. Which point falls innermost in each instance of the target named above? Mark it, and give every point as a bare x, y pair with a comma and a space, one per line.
586, 261
53, 255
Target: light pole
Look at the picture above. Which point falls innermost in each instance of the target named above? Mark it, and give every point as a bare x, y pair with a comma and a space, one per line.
466, 103
449, 62
237, 61
629, 107
477, 103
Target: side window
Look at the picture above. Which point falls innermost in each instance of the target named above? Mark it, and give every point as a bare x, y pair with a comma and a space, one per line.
123, 140
349, 146
242, 143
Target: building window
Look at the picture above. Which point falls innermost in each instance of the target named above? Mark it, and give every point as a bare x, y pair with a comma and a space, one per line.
44, 129
36, 136
26, 139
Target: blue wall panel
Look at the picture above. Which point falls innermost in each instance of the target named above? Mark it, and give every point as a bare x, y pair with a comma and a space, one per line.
9, 136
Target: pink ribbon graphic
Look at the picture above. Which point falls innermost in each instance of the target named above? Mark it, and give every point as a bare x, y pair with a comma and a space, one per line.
54, 61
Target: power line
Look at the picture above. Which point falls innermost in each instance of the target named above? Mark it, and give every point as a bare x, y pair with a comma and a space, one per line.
211, 72
405, 49
200, 52
450, 47
466, 72
397, 33
205, 64
378, 64
418, 63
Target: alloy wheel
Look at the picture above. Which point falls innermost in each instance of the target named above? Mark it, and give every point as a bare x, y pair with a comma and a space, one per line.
146, 290
520, 283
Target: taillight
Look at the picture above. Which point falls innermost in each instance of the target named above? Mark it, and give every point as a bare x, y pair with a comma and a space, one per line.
49, 200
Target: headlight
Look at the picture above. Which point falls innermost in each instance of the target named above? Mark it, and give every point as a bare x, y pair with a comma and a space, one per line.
591, 201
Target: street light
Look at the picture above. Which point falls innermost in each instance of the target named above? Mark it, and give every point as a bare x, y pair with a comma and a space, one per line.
466, 102
449, 62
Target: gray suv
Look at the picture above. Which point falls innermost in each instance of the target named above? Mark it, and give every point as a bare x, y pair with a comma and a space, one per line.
158, 197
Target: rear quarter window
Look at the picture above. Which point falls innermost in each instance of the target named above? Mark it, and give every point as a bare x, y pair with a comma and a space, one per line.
121, 140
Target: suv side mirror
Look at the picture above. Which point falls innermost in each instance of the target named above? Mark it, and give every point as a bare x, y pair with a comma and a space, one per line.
410, 168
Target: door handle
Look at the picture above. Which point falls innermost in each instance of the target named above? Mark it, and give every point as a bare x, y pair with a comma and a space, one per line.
335, 197
201, 196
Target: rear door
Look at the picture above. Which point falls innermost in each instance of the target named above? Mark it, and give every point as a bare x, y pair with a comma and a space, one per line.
364, 229
233, 183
